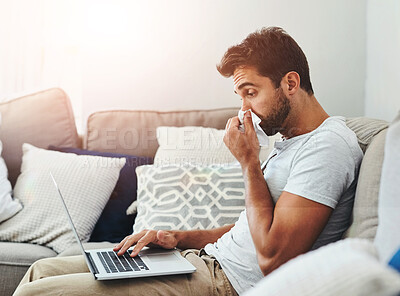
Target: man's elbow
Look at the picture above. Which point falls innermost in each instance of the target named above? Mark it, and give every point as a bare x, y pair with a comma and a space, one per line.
268, 264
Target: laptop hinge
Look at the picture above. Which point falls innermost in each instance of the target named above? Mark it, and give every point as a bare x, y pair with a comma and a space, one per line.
92, 266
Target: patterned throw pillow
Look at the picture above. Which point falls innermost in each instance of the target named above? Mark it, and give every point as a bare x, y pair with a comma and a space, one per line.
188, 197
86, 183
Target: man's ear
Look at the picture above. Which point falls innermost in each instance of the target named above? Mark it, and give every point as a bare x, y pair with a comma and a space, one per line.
290, 83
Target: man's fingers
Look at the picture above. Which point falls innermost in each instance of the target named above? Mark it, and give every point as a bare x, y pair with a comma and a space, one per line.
235, 122
126, 245
228, 124
129, 241
148, 238
248, 123
119, 246
160, 238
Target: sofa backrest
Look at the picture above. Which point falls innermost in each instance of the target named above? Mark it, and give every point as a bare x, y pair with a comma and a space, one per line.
134, 132
41, 119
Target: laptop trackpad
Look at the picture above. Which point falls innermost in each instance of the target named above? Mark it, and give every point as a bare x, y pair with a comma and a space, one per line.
161, 258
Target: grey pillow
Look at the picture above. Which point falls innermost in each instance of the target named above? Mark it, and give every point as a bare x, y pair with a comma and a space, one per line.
387, 238
188, 197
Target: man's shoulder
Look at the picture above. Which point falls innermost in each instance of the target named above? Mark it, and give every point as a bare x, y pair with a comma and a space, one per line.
335, 134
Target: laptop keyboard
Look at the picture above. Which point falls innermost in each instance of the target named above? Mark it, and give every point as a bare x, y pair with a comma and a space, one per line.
114, 263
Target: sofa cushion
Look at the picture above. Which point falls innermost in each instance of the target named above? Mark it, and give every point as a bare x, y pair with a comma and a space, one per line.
42, 119
346, 268
134, 132
365, 211
21, 254
15, 259
371, 137
113, 224
388, 235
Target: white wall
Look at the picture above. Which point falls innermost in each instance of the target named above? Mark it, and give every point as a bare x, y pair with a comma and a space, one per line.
383, 60
162, 54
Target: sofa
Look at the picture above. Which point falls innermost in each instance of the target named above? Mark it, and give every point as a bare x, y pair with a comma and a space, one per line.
45, 118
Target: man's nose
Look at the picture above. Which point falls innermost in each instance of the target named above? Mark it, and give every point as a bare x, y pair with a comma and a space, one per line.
245, 105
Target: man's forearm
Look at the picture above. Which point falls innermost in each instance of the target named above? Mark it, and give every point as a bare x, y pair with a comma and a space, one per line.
197, 239
259, 204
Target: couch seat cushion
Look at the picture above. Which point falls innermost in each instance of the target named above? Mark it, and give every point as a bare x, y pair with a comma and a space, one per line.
15, 259
23, 254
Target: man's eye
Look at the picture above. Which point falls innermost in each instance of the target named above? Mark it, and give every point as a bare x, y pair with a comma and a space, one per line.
250, 94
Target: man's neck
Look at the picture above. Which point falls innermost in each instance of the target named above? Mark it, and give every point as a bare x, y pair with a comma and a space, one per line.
306, 115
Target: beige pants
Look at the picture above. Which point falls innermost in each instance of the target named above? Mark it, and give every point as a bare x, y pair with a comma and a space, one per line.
70, 276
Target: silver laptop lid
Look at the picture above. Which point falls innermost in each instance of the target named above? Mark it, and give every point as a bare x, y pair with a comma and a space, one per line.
72, 225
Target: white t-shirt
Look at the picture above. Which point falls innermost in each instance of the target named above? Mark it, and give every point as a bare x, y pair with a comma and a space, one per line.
322, 166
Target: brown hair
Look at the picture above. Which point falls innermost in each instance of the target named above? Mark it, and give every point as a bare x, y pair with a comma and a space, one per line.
273, 52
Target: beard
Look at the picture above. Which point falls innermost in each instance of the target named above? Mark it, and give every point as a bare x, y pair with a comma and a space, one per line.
273, 123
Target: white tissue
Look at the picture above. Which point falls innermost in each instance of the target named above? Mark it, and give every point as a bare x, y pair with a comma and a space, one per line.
261, 135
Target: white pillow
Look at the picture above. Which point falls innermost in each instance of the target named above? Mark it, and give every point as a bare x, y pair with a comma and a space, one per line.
387, 238
86, 183
188, 197
346, 268
8, 206
197, 145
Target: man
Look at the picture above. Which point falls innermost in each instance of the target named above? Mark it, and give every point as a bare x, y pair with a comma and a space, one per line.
300, 199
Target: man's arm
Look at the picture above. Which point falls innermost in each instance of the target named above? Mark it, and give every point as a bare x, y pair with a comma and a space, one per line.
279, 232
282, 232
170, 239
198, 239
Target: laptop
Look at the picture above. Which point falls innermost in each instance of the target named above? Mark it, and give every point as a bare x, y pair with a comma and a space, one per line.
105, 264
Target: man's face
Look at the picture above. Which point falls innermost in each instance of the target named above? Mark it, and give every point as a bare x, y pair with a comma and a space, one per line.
259, 94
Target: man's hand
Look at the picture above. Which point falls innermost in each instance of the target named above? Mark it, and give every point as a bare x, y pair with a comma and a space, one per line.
159, 238
169, 239
243, 145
